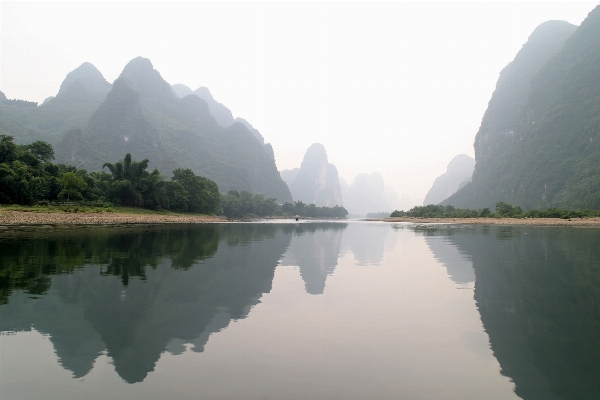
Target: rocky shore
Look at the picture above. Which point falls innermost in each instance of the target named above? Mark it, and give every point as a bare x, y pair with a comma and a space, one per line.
595, 221
105, 218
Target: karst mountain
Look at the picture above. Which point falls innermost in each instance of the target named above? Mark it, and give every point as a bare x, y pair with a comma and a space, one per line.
539, 141
91, 122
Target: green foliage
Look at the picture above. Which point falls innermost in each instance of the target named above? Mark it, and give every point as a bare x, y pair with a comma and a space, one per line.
41, 150
126, 254
72, 185
506, 210
27, 176
436, 211
203, 194
245, 204
503, 210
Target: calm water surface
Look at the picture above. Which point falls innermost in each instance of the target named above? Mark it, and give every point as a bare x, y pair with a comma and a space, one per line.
350, 310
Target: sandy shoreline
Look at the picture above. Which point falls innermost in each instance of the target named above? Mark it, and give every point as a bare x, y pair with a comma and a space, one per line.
12, 218
15, 218
595, 221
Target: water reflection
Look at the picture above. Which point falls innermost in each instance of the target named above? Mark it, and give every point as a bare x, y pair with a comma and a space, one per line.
538, 293
157, 300
133, 293
459, 267
314, 248
368, 242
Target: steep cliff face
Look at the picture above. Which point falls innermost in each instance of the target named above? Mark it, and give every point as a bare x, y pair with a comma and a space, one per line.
538, 145
457, 175
317, 181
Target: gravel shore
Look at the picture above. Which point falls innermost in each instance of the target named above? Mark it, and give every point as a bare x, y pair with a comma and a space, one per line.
65, 218
498, 221
12, 218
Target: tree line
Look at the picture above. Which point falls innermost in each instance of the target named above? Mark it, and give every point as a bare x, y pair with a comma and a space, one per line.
502, 210
28, 176
244, 204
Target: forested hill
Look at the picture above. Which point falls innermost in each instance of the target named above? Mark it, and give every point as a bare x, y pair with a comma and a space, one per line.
91, 121
538, 141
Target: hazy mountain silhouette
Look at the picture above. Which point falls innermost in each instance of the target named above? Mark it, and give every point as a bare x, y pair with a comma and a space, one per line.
80, 94
457, 175
90, 79
221, 113
143, 116
181, 90
368, 193
317, 181
289, 175
537, 145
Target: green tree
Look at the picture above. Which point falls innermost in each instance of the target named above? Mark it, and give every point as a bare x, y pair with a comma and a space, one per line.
203, 194
127, 176
8, 149
71, 185
41, 150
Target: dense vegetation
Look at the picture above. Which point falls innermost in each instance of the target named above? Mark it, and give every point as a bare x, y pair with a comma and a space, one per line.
28, 176
539, 142
503, 210
245, 204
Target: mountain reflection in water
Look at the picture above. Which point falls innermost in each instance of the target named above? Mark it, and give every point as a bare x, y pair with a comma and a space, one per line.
538, 293
354, 310
173, 283
170, 285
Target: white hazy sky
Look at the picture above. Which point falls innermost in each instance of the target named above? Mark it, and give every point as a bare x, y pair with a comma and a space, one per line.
394, 87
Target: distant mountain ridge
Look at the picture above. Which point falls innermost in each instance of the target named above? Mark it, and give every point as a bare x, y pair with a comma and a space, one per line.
91, 122
457, 175
80, 94
221, 113
89, 77
316, 181
368, 194
539, 142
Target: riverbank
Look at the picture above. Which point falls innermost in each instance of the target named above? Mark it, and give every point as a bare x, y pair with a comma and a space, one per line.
33, 217
593, 221
11, 217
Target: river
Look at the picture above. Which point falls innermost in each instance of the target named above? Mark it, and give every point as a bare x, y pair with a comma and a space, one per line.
310, 310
